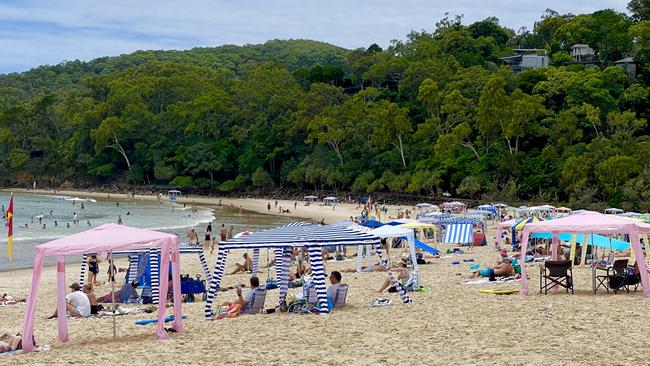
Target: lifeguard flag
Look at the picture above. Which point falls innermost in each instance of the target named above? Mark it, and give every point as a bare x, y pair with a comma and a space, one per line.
10, 225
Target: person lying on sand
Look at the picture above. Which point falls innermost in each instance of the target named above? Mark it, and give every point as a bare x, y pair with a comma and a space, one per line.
77, 303
122, 296
10, 300
500, 270
246, 266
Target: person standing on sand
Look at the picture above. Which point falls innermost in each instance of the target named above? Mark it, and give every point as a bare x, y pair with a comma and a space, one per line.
276, 203
119, 219
295, 205
192, 237
208, 235
223, 233
232, 228
268, 207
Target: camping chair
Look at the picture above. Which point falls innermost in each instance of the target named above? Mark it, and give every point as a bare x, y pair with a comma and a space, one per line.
614, 277
340, 296
311, 295
256, 305
555, 273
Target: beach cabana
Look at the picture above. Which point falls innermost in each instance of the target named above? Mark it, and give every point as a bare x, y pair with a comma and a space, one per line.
563, 210
587, 224
151, 259
388, 231
503, 226
104, 238
330, 201
282, 240
372, 224
613, 211
455, 206
173, 194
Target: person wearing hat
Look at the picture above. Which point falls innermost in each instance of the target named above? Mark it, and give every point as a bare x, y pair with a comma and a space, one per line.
77, 303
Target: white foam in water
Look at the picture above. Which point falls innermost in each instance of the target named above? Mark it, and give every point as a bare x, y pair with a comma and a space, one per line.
169, 217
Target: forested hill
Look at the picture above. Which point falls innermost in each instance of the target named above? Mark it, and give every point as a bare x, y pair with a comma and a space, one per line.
291, 54
437, 112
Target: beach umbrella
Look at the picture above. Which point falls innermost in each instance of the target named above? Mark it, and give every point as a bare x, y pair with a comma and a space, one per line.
520, 226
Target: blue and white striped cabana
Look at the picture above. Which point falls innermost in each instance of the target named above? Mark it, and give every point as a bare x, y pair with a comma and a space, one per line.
283, 240
459, 234
154, 255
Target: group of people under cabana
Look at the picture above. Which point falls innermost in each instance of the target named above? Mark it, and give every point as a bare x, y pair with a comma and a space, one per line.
301, 242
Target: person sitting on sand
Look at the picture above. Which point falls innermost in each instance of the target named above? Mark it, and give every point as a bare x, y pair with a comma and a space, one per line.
500, 270
88, 290
243, 300
77, 303
246, 266
335, 279
403, 275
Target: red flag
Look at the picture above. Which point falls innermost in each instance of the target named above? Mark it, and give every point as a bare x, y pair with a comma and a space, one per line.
10, 225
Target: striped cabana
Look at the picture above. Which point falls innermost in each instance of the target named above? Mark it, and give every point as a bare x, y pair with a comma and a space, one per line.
256, 252
459, 234
282, 240
154, 256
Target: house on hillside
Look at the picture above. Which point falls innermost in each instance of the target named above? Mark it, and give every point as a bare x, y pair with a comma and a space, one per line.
629, 65
583, 54
526, 58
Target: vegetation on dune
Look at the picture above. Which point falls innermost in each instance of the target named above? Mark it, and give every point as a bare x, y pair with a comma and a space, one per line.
431, 114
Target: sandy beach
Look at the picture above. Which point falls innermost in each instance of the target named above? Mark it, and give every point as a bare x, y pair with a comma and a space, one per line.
452, 323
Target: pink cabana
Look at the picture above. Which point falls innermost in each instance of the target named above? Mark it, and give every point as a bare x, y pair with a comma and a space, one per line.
105, 238
504, 226
588, 223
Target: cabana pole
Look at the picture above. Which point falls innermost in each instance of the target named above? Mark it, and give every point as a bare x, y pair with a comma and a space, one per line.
113, 294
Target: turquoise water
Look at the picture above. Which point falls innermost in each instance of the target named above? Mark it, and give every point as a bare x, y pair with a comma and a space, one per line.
57, 214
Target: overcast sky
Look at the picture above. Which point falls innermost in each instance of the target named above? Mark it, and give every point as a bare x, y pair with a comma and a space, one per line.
33, 33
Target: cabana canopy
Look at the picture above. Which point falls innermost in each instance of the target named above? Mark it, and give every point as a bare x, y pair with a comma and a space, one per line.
372, 224
283, 239
388, 231
104, 238
613, 211
587, 223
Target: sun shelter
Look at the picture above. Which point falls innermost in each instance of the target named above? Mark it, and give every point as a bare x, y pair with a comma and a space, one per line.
330, 201
518, 227
104, 238
283, 240
587, 224
145, 264
388, 231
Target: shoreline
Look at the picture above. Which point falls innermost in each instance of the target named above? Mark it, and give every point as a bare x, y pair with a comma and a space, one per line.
314, 212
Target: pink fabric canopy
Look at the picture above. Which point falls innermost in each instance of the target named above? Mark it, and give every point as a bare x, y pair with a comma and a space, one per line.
105, 238
503, 226
586, 223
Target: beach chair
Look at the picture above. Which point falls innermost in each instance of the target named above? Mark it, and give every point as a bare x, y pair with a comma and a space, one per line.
340, 296
616, 277
256, 305
555, 273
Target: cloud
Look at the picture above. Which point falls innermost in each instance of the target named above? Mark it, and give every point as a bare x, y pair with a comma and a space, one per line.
43, 32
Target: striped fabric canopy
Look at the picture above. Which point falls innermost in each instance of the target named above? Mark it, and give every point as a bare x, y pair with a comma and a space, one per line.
462, 220
520, 225
459, 234
290, 236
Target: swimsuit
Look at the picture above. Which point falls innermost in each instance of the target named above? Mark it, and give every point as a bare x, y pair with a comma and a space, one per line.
93, 267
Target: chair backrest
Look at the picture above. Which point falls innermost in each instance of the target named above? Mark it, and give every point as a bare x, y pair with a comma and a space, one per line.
340, 296
620, 265
257, 304
311, 295
557, 268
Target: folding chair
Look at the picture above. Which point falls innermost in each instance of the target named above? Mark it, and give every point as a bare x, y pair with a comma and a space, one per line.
617, 276
256, 305
555, 273
340, 296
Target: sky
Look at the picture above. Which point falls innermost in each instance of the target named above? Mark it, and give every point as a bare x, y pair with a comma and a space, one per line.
34, 33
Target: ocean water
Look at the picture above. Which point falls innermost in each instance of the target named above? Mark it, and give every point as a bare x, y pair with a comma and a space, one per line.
57, 213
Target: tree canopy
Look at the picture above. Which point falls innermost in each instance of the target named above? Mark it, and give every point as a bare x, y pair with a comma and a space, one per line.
433, 113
